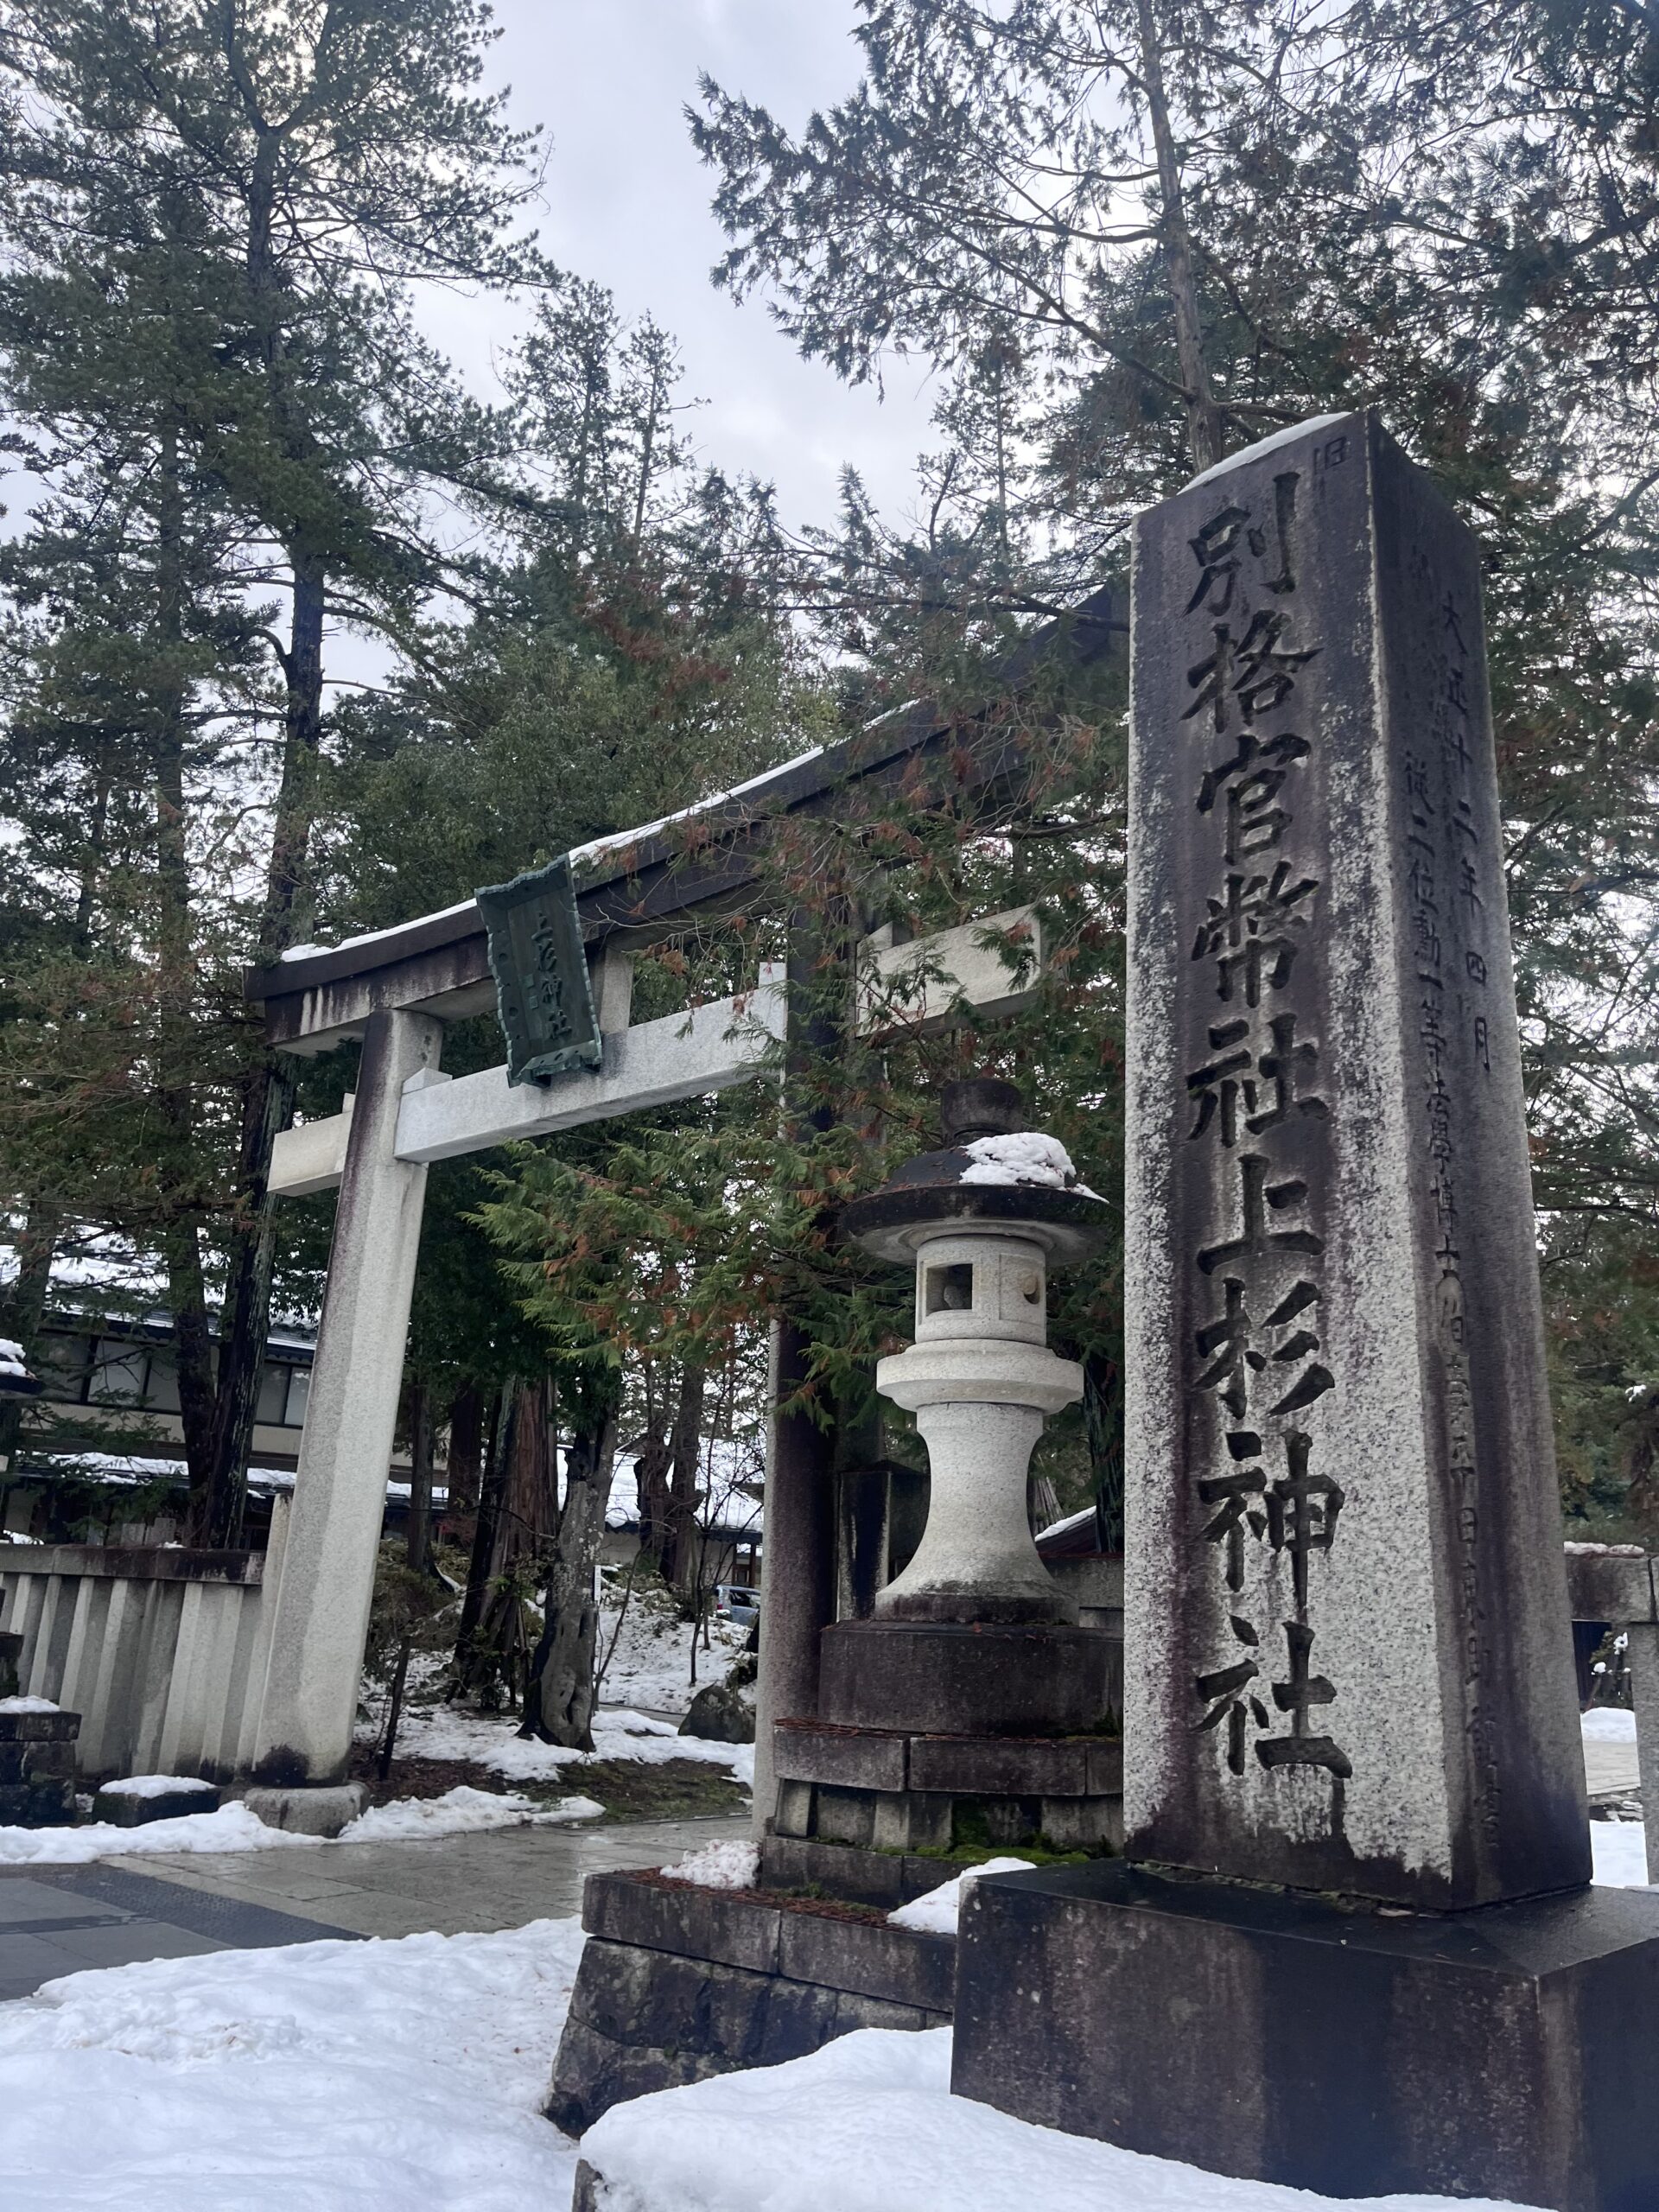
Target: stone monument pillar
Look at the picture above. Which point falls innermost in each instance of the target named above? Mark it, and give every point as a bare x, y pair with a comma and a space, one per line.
1354, 1791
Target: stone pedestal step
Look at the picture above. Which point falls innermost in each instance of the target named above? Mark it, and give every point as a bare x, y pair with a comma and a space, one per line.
679, 1982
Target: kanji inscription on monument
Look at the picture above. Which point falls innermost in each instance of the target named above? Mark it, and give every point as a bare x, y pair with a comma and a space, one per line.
1347, 1618
543, 993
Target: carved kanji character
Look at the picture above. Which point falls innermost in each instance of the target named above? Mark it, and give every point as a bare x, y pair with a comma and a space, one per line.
1302, 1512
1229, 1343
1248, 930
1255, 1238
1216, 1089
1304, 1689
1282, 1068
1224, 1692
1252, 781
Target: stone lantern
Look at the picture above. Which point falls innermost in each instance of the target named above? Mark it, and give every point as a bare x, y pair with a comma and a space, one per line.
975, 1636
980, 1377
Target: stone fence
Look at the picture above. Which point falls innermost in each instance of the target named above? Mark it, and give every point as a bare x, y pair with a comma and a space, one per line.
162, 1651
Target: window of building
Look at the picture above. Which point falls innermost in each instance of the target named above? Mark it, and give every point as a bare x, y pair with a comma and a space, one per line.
119, 1373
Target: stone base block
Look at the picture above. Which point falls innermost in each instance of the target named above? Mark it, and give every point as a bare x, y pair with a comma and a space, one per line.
37, 1768
1507, 2052
934, 1678
321, 1811
677, 1983
47, 1804
880, 1789
123, 1810
886, 1878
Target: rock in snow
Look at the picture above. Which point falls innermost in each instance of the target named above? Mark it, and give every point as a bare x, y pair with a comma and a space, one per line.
719, 1715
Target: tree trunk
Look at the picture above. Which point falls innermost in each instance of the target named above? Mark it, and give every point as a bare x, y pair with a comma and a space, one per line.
651, 1474
420, 1477
522, 1523
268, 1099
466, 1447
679, 1553
559, 1696
26, 1307
1206, 428
491, 1484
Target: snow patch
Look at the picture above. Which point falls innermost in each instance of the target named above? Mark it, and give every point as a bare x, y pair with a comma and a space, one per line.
1608, 1723
28, 1704
232, 1827
1604, 1551
1027, 1157
1264, 446
153, 1785
1618, 1850
462, 1811
718, 1866
451, 1732
335, 2076
936, 1914
868, 2123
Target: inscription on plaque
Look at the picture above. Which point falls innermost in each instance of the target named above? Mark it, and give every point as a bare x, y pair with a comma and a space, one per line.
543, 995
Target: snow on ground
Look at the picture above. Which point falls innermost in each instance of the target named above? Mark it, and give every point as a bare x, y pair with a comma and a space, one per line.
463, 1811
322, 2077
449, 1731
868, 2124
232, 1827
1608, 1723
651, 1663
1619, 1851
936, 1913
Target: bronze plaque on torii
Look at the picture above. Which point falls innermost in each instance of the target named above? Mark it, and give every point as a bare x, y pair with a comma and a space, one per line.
543, 995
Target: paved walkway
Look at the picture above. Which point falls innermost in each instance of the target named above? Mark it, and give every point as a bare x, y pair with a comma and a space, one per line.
59, 1920
1610, 1770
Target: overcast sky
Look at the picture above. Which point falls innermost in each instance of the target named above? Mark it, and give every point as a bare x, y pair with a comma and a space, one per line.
628, 206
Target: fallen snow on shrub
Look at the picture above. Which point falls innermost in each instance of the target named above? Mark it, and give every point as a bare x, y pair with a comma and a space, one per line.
232, 1827
868, 2124
718, 1866
337, 2077
462, 1811
936, 1913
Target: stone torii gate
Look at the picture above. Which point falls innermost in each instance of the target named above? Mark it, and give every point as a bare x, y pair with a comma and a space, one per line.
396, 991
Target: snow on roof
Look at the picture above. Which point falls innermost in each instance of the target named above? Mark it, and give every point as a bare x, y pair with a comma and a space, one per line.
1027, 1157
618, 841
131, 1471
373, 936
